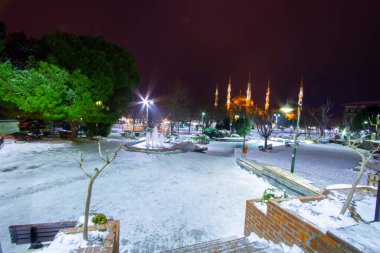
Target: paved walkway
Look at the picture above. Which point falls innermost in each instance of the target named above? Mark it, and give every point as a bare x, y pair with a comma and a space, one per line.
323, 164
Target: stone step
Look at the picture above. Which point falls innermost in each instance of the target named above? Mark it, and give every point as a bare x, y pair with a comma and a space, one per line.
226, 245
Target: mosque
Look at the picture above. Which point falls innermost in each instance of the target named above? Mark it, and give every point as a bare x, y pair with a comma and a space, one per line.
242, 104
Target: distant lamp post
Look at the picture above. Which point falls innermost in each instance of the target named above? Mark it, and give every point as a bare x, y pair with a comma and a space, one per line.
203, 120
147, 103
276, 116
287, 109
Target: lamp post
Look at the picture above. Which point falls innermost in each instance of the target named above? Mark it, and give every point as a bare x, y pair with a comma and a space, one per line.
299, 109
147, 103
276, 115
203, 120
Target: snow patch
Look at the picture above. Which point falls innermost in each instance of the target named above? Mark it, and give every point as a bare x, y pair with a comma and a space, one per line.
262, 206
363, 236
324, 214
273, 247
64, 243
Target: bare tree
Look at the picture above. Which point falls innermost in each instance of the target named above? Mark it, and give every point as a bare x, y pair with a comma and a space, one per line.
365, 157
322, 116
175, 102
264, 126
106, 161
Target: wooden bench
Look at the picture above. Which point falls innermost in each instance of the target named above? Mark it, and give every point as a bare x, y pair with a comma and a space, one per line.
35, 234
269, 147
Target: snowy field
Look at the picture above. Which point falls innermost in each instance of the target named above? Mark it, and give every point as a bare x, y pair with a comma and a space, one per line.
162, 200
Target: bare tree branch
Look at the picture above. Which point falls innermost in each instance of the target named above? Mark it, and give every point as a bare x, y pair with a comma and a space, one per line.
364, 160
100, 152
81, 165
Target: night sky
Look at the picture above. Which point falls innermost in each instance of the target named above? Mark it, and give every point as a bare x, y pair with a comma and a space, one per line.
334, 45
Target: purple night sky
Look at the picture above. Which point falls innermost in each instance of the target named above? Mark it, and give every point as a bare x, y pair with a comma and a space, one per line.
334, 45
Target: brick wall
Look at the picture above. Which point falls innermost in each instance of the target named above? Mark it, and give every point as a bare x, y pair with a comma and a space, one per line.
111, 244
281, 225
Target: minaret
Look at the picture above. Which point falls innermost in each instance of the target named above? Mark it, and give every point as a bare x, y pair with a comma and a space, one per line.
229, 94
267, 97
216, 96
300, 95
249, 88
249, 95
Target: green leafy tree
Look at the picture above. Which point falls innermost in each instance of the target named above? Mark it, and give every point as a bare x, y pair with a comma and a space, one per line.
22, 51
110, 69
243, 126
50, 92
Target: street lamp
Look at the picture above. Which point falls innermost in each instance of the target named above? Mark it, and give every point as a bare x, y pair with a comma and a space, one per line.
147, 103
203, 120
276, 115
287, 110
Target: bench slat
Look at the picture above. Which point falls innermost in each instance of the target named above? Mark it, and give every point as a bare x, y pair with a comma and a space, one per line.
31, 233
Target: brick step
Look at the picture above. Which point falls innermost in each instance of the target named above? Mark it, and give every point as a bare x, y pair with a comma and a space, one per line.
226, 245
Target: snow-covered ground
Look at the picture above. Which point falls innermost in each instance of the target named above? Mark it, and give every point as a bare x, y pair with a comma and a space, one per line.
323, 164
162, 200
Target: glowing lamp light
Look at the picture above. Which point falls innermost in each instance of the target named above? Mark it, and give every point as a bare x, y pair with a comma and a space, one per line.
286, 109
147, 102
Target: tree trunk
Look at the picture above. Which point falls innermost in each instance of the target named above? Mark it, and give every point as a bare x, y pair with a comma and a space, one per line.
87, 209
190, 126
178, 128
352, 191
321, 133
53, 128
265, 141
133, 125
74, 130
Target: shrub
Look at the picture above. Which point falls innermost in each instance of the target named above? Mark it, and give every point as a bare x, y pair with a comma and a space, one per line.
273, 193
99, 218
215, 133
202, 138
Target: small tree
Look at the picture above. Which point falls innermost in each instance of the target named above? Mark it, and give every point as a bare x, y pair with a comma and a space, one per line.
365, 157
322, 117
264, 127
106, 161
243, 126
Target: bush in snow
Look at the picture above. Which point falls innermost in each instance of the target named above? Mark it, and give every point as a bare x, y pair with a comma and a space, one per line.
212, 133
202, 138
99, 218
272, 193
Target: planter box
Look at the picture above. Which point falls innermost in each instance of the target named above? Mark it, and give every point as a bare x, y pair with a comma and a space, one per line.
111, 243
282, 225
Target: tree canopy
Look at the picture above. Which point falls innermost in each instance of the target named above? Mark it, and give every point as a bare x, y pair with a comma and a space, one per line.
243, 126
111, 69
65, 77
49, 92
